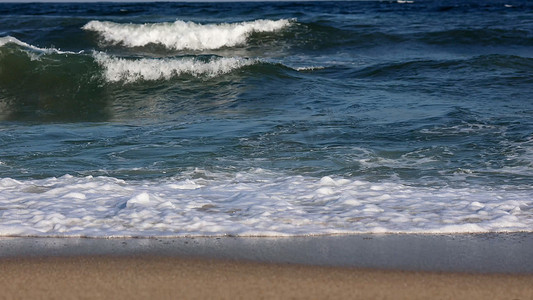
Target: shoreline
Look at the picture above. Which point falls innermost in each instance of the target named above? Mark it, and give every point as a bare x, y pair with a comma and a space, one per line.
486, 266
471, 253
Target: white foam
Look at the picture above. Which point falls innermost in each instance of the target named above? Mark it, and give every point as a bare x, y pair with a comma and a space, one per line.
149, 69
253, 203
181, 35
464, 128
12, 40
310, 68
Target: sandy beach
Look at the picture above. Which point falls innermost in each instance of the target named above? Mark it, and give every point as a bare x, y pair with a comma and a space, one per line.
99, 277
487, 266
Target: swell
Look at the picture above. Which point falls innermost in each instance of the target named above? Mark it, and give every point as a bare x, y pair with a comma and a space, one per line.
478, 36
318, 35
47, 84
514, 66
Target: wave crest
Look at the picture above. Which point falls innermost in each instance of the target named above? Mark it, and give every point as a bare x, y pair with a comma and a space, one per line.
5, 40
181, 35
150, 69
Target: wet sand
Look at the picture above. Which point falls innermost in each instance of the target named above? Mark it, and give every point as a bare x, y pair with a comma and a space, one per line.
353, 267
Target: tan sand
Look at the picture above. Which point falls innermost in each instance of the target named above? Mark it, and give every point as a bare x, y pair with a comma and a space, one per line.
157, 277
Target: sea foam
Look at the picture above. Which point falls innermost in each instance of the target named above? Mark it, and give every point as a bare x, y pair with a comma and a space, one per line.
181, 35
12, 40
252, 203
149, 69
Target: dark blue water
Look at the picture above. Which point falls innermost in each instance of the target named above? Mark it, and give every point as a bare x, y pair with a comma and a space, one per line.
430, 94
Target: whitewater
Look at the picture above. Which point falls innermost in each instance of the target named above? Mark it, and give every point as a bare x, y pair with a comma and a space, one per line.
182, 35
254, 203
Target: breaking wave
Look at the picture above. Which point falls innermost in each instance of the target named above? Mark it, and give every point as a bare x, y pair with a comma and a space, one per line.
181, 35
5, 40
130, 70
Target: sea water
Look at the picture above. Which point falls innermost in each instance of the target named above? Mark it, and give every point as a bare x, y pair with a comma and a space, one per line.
266, 118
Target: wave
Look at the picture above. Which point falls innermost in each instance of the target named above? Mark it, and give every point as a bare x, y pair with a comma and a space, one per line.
115, 68
26, 58
5, 40
181, 35
149, 69
50, 85
519, 66
321, 35
482, 36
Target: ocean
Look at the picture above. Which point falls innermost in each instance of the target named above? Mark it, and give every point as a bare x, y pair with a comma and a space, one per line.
177, 119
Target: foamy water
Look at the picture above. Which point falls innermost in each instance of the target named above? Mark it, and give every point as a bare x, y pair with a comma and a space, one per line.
254, 203
182, 35
149, 69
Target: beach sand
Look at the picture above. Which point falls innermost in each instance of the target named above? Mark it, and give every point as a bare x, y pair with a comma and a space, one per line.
144, 277
344, 267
